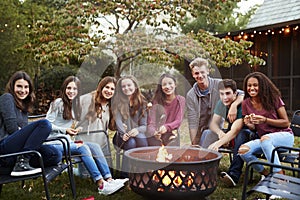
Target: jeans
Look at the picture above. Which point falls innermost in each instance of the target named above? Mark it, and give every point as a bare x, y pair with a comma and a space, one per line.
30, 137
236, 166
266, 147
139, 141
92, 157
51, 156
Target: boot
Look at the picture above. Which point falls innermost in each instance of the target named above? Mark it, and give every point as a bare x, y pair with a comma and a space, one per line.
22, 167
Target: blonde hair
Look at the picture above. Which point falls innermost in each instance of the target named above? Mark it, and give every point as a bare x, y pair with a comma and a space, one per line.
198, 62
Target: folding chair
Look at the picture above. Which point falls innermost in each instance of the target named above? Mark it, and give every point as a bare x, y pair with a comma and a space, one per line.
277, 184
47, 174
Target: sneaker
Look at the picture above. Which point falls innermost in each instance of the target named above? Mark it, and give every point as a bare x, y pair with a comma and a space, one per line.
22, 167
119, 181
227, 179
109, 188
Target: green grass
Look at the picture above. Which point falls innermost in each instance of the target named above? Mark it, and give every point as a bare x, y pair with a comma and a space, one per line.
60, 188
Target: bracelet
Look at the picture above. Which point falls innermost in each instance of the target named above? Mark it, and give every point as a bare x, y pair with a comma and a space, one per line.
266, 119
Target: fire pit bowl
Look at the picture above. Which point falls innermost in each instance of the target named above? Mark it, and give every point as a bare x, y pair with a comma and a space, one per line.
191, 172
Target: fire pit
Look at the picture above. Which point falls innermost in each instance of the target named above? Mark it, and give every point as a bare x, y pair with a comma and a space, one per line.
183, 172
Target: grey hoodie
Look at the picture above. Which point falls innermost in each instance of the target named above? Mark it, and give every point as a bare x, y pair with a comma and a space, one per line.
193, 104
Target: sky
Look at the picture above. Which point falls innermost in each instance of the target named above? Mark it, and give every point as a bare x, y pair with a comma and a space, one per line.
245, 5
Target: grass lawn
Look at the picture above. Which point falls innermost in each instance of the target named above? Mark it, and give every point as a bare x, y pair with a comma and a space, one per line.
60, 189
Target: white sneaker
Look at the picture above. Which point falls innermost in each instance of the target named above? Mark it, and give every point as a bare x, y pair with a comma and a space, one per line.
119, 181
109, 188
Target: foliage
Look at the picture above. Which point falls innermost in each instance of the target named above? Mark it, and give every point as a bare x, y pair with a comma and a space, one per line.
100, 36
227, 53
134, 46
156, 13
79, 27
11, 37
231, 19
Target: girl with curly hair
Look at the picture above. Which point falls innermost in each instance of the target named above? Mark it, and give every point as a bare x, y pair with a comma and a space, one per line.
264, 111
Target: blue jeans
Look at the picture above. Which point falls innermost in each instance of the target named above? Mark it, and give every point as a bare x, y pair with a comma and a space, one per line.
236, 166
30, 137
92, 157
50, 154
266, 147
139, 141
235, 170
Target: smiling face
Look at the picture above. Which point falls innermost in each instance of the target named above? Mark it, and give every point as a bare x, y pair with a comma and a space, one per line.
168, 86
108, 90
200, 74
227, 96
252, 87
21, 89
128, 87
71, 90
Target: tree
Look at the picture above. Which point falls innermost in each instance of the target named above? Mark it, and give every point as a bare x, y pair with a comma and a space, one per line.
231, 20
11, 37
66, 37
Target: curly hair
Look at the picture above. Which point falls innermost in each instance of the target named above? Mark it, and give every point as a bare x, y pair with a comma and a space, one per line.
120, 102
75, 103
27, 103
268, 93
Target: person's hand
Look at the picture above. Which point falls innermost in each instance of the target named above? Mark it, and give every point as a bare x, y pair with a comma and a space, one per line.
72, 131
248, 121
126, 137
133, 132
79, 129
258, 119
232, 112
162, 129
157, 135
214, 146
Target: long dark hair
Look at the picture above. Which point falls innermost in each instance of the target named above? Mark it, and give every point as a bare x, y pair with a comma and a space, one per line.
120, 102
27, 103
75, 103
95, 108
268, 93
159, 96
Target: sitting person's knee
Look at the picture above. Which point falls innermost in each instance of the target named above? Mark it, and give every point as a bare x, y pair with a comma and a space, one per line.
264, 137
243, 149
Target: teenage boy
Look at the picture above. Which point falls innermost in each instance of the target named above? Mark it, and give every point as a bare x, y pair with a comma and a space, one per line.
202, 98
224, 132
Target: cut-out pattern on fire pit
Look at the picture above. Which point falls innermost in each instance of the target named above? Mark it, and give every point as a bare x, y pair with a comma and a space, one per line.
191, 172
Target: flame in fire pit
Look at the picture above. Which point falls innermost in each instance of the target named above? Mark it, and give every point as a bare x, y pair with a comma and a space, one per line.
173, 172
163, 155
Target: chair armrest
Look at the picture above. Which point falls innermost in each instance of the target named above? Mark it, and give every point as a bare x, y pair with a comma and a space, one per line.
95, 131
20, 153
66, 147
36, 116
270, 164
284, 149
24, 153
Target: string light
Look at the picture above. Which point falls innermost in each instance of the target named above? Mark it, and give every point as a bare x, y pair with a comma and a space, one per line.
247, 35
287, 30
